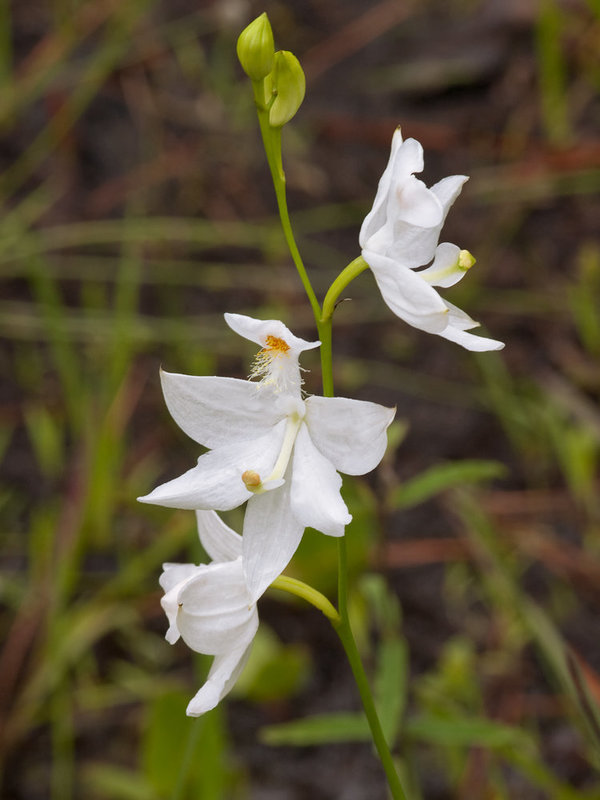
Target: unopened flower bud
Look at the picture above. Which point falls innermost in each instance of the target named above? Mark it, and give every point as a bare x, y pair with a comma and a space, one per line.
288, 85
255, 48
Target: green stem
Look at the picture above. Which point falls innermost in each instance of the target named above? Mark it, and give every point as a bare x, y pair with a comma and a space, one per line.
324, 324
306, 592
325, 332
272, 143
344, 631
348, 274
342, 627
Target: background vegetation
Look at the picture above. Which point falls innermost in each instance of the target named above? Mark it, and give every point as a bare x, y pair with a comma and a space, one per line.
136, 209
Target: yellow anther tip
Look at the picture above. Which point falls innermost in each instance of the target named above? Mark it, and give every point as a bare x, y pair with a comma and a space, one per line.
251, 479
465, 260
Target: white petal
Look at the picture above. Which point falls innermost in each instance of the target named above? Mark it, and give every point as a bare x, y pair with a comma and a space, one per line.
175, 574
413, 245
458, 318
445, 270
271, 537
408, 295
218, 539
215, 609
478, 344
315, 492
224, 672
448, 189
217, 411
459, 322
172, 580
376, 218
216, 482
414, 203
257, 330
349, 433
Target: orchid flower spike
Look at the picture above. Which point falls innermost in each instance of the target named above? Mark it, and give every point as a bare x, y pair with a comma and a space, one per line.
272, 448
400, 235
210, 608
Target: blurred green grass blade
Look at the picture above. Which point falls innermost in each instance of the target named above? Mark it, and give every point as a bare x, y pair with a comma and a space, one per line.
503, 587
144, 565
51, 59
103, 781
46, 436
183, 756
430, 729
531, 765
6, 434
17, 221
552, 72
584, 298
211, 773
67, 365
6, 52
317, 730
458, 731
63, 744
383, 604
125, 311
391, 671
73, 635
146, 230
390, 686
442, 477
594, 6
91, 77
168, 733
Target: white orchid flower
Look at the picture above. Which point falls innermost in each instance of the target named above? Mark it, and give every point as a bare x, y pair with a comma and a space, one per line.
272, 448
400, 234
210, 607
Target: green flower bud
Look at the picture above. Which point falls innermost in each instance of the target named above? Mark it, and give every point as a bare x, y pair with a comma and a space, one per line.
288, 85
255, 48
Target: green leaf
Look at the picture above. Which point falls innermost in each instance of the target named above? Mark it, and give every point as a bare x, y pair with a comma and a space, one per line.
428, 728
391, 685
183, 756
164, 740
106, 780
441, 477
465, 732
318, 729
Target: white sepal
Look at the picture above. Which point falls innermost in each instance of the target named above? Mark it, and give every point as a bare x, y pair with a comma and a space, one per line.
349, 433
270, 538
315, 496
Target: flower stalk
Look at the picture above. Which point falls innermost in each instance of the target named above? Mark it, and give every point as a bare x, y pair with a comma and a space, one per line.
324, 319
